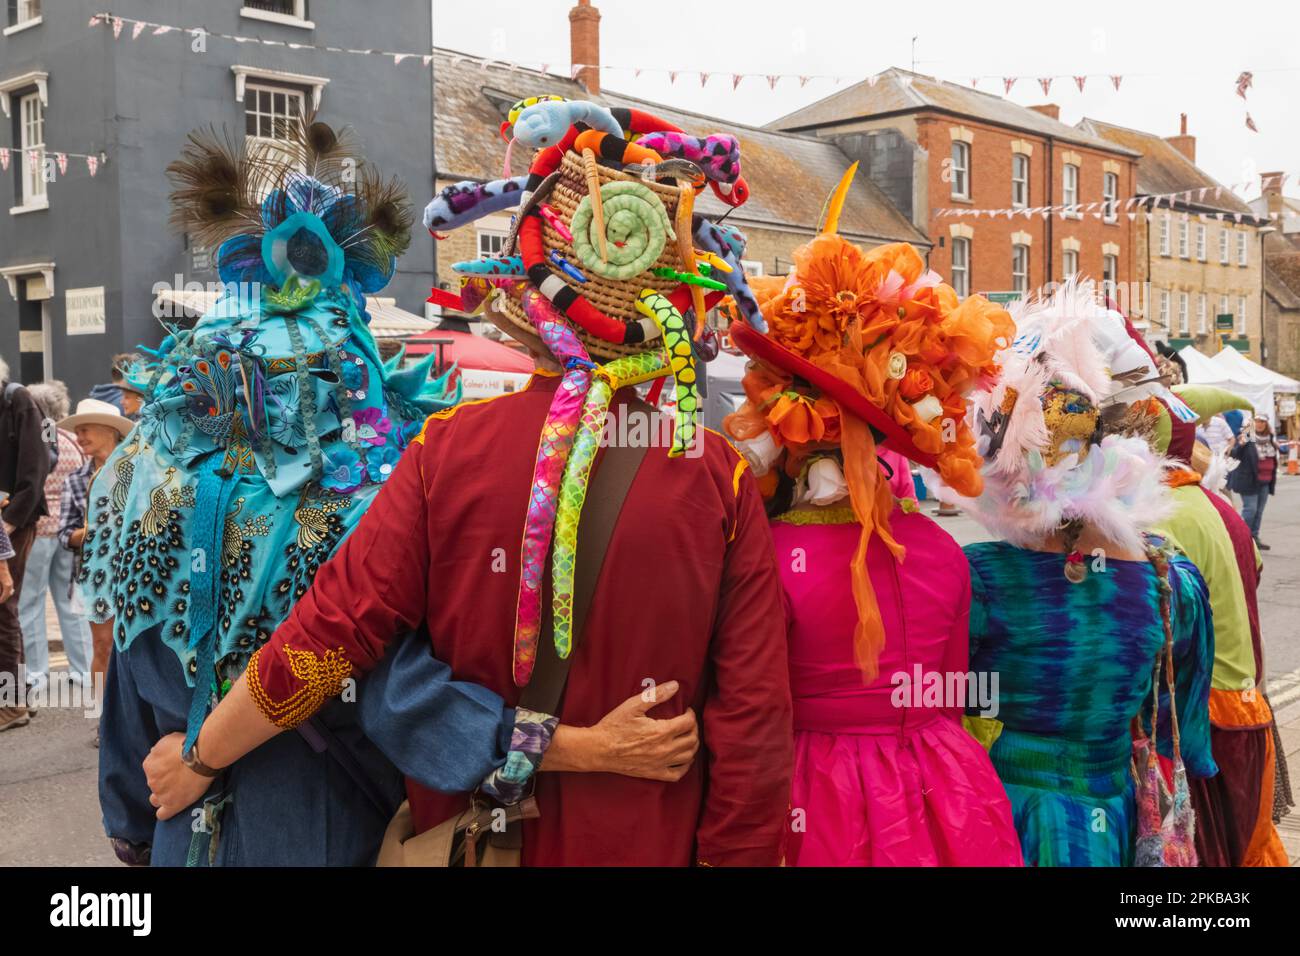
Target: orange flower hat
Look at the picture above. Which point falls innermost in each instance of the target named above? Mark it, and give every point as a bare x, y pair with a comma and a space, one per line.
867, 347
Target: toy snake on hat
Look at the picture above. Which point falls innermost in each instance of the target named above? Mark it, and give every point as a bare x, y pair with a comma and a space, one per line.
606, 260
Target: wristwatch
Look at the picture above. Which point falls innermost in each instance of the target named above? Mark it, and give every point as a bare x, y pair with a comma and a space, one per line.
192, 760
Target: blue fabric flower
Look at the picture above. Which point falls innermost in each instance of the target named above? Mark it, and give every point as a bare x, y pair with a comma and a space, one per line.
343, 472
380, 462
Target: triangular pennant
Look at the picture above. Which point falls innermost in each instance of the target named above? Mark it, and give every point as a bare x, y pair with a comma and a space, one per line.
1008, 82
1047, 211
1204, 190
771, 80
1116, 81
974, 82
92, 164
1250, 124
1046, 83
1132, 216
399, 57
735, 80
704, 78
159, 31
636, 74
138, 29
1237, 216
803, 81
672, 76
428, 58
117, 27
1244, 81
4, 158
1079, 81
97, 19
61, 160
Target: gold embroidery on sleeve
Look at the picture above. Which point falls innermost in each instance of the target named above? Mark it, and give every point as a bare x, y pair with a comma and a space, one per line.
322, 678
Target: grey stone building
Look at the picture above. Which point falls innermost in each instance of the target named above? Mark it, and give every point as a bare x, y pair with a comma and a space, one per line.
81, 256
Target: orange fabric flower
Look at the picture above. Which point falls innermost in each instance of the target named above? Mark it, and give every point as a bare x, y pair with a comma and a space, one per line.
915, 383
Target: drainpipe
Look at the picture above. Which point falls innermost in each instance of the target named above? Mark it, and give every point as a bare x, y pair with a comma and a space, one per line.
1051, 246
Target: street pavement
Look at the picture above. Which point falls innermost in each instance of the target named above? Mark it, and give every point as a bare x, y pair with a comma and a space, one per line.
49, 809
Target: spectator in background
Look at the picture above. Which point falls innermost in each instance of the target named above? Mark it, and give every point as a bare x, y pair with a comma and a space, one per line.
24, 463
99, 429
1256, 477
6, 579
132, 397
49, 566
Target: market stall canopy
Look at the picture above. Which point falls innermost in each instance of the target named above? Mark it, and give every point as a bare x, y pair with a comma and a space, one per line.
1253, 387
1238, 364
470, 351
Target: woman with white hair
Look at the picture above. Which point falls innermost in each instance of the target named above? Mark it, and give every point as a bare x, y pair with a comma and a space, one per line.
49, 565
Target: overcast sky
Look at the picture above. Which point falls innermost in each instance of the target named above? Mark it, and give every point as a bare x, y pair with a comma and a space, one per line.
1174, 57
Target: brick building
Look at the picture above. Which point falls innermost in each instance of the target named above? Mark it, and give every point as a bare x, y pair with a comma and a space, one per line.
935, 146
1197, 258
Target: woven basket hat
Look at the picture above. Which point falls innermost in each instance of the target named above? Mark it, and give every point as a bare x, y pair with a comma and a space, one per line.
616, 296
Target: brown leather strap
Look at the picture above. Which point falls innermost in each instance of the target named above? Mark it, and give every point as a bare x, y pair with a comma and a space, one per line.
613, 471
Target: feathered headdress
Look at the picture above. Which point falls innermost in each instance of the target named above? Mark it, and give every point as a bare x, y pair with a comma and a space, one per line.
304, 209
1066, 432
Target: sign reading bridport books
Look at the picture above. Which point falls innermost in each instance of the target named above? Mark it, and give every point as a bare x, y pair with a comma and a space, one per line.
85, 311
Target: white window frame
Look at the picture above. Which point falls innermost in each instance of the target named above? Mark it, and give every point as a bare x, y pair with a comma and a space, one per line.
1184, 242
27, 16
252, 104
1200, 242
1110, 196
961, 186
35, 194
1019, 267
1202, 310
1019, 183
1069, 263
1225, 246
1243, 249
1110, 271
1070, 191
1184, 319
1164, 234
1224, 308
1241, 313
1164, 309
751, 267
961, 272
490, 243
297, 19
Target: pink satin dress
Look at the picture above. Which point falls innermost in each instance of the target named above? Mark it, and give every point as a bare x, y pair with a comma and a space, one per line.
877, 783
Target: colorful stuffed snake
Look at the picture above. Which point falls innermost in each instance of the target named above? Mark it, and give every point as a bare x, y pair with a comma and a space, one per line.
718, 154
729, 245
607, 379
677, 344
496, 266
636, 227
553, 449
463, 202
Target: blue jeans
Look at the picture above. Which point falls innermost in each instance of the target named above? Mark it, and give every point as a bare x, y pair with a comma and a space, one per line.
1252, 510
49, 567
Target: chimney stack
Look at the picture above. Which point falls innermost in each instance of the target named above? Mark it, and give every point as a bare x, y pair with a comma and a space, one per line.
1048, 109
1182, 142
1270, 187
584, 45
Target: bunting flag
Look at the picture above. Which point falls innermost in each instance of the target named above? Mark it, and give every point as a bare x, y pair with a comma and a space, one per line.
61, 160
117, 28
704, 78
1008, 82
735, 80
1250, 124
160, 30
92, 164
672, 77
1079, 81
1117, 80
771, 80
803, 81
1046, 83
399, 57
4, 158
1244, 82
974, 82
137, 30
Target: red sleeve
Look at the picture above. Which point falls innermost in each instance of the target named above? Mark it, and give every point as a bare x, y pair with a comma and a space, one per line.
747, 721
370, 591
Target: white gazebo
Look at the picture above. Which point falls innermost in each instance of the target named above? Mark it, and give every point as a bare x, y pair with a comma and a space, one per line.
1250, 383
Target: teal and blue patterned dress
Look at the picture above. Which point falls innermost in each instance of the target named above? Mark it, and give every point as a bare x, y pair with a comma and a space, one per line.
1074, 665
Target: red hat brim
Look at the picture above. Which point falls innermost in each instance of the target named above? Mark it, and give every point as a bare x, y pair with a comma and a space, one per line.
845, 395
